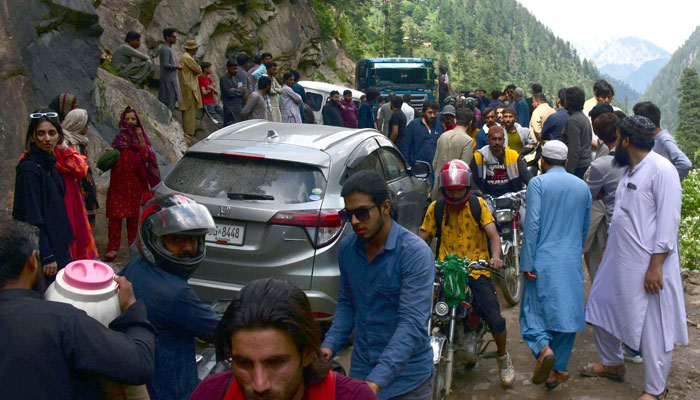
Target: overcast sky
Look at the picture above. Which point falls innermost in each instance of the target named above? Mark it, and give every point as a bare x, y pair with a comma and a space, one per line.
666, 23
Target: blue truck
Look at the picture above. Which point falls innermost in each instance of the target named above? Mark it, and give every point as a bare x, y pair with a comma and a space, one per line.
399, 76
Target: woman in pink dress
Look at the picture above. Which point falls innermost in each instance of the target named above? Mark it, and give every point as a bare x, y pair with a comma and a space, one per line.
130, 178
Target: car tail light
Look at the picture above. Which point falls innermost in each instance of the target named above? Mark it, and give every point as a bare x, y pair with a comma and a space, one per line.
321, 315
321, 226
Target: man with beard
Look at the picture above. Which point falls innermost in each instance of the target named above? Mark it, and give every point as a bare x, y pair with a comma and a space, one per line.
464, 226
497, 169
558, 211
517, 137
332, 112
348, 110
384, 295
637, 296
171, 241
489, 116
234, 93
270, 323
422, 135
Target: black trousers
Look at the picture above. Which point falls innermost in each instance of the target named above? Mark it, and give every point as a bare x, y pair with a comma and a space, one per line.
486, 305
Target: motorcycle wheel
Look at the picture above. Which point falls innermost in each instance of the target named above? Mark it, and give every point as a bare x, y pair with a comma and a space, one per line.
512, 283
439, 378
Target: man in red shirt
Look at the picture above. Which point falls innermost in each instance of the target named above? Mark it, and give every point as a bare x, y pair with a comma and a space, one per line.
208, 89
270, 334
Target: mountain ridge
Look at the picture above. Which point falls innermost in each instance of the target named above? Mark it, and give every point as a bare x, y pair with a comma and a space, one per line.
632, 60
663, 89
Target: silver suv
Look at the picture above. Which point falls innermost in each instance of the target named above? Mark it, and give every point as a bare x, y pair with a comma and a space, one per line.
274, 192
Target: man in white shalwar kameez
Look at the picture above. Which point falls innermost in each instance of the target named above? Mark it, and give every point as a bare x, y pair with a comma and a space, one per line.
637, 296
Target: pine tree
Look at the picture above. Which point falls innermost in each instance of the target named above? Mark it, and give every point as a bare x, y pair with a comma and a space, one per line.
687, 134
395, 29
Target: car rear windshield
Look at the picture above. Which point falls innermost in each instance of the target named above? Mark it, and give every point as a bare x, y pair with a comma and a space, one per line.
247, 179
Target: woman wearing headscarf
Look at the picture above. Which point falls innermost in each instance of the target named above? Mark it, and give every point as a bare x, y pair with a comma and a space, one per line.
130, 178
39, 192
75, 128
73, 167
63, 104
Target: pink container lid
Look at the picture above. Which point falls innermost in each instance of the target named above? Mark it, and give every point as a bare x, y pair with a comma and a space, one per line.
88, 275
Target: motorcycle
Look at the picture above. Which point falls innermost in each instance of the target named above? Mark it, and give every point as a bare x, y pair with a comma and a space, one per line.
456, 331
506, 212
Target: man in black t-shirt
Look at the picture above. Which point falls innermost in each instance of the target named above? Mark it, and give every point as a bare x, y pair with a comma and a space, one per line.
397, 123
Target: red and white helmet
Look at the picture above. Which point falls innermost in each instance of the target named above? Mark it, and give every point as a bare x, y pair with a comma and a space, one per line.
455, 174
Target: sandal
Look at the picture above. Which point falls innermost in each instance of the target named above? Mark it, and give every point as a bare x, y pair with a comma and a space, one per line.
543, 367
662, 396
110, 255
616, 373
559, 378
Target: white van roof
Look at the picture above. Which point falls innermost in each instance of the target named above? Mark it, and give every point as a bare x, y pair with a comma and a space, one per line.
328, 87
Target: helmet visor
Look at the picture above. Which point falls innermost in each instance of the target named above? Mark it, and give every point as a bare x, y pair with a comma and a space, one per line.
191, 217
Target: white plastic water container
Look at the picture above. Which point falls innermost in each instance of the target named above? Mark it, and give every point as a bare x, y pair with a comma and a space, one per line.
89, 286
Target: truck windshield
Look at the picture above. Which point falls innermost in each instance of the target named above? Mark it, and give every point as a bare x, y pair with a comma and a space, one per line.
402, 75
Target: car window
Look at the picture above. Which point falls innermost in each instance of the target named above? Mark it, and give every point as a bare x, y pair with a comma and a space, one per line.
357, 103
246, 179
396, 168
316, 100
369, 163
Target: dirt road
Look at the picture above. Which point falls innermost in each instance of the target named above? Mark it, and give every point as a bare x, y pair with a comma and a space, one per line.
482, 382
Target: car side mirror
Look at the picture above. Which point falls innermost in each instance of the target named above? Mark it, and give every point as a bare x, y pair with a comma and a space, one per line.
421, 169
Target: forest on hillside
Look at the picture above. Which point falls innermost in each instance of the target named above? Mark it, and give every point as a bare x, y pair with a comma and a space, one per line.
484, 43
663, 90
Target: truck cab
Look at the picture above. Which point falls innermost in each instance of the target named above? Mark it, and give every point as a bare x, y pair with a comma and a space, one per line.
399, 76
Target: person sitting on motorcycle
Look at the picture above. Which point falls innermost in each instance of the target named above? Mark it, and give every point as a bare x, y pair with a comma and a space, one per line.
497, 168
172, 229
462, 233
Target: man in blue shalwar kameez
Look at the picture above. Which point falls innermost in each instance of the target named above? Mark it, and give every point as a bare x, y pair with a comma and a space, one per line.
556, 224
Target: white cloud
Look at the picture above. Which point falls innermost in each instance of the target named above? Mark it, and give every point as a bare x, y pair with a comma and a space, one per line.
666, 23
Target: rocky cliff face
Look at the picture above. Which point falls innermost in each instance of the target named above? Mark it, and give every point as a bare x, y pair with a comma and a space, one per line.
48, 47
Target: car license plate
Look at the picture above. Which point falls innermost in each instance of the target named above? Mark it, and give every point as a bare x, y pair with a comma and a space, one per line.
231, 233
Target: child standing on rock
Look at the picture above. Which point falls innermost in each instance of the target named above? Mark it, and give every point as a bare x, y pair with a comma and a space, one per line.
132, 175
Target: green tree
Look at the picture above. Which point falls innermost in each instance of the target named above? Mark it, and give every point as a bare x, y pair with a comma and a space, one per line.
687, 133
394, 26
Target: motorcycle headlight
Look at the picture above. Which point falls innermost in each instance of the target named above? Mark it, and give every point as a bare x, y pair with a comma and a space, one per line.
441, 308
504, 215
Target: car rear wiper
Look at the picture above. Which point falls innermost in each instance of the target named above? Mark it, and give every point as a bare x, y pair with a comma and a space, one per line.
249, 196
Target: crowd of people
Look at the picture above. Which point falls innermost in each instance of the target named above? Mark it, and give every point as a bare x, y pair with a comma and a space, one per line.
187, 85
601, 187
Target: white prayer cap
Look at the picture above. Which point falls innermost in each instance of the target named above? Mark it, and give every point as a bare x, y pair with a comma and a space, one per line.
555, 150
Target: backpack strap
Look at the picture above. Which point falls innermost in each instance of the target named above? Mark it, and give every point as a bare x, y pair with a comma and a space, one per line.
475, 208
439, 213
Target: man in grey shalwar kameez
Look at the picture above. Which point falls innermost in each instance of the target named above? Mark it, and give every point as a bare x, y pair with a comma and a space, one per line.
637, 296
123, 60
169, 89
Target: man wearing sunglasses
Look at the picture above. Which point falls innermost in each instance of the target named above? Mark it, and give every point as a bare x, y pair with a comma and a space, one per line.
385, 295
